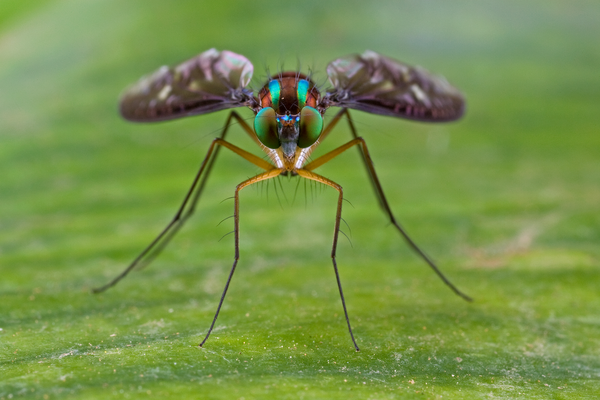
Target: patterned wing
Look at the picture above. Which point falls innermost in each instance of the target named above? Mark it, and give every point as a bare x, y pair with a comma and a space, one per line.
376, 84
209, 82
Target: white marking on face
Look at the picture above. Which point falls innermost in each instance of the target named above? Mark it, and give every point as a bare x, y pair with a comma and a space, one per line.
302, 157
274, 156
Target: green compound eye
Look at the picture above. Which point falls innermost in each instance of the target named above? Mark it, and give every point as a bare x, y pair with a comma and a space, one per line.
265, 126
311, 125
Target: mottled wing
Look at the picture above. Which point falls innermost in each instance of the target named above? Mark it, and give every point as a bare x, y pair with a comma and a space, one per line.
209, 82
376, 84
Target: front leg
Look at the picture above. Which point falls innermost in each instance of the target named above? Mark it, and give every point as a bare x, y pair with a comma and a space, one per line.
236, 231
338, 217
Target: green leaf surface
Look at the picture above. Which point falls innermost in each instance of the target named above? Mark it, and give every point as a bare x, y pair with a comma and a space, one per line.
505, 200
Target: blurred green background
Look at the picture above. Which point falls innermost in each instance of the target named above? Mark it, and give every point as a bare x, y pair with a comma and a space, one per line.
506, 200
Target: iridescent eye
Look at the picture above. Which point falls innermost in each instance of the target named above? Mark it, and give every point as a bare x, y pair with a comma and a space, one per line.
311, 125
265, 126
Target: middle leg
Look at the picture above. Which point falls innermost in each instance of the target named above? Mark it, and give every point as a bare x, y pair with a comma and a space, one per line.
359, 141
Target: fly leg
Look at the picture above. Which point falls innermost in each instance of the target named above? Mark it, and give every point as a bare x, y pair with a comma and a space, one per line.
338, 216
380, 195
236, 231
197, 186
